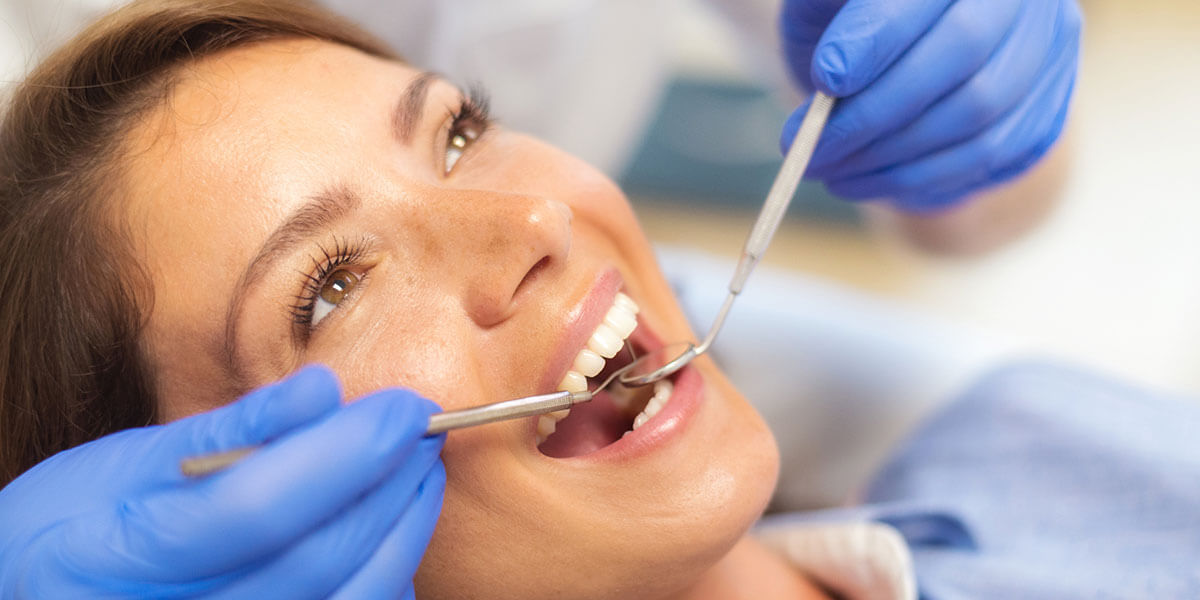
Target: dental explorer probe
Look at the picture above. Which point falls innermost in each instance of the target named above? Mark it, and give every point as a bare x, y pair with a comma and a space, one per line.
655, 365
199, 466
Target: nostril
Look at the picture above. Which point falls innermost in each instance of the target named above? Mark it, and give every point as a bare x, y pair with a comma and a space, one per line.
532, 274
492, 300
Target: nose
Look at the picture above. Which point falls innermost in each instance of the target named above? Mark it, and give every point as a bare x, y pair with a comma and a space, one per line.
508, 242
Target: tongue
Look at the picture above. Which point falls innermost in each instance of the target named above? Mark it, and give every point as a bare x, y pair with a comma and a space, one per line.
590, 427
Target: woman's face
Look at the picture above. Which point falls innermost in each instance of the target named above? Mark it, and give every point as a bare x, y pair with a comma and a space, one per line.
302, 202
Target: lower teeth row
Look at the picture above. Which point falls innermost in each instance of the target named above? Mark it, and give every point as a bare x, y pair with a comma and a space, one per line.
662, 393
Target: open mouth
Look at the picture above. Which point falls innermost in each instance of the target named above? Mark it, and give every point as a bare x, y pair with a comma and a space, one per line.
614, 412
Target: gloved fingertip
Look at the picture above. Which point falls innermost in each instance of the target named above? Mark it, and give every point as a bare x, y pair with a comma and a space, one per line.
851, 190
816, 171
267, 412
434, 484
312, 391
428, 498
438, 440
431, 493
831, 70
431, 445
315, 379
405, 411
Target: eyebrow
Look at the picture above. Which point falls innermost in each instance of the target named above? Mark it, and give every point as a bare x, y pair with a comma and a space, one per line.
308, 221
407, 112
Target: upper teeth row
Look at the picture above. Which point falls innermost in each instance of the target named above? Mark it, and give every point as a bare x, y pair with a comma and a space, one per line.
608, 339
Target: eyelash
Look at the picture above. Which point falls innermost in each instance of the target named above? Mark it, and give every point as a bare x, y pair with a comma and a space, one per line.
474, 115
344, 253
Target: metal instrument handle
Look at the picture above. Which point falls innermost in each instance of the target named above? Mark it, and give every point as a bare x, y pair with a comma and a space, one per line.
199, 466
780, 196
498, 411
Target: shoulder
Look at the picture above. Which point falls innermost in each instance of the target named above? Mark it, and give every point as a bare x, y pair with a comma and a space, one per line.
1061, 480
1031, 408
1043, 431
1054, 388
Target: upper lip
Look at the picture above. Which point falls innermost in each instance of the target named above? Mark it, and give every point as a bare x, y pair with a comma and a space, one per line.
581, 322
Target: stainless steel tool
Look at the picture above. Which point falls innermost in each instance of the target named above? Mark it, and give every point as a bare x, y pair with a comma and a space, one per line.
665, 361
199, 466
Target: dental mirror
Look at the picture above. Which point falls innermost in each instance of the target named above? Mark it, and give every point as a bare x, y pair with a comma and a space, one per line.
663, 362
670, 358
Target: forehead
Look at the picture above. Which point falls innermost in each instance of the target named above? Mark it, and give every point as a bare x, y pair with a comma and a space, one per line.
247, 123
239, 102
301, 70
248, 134
243, 138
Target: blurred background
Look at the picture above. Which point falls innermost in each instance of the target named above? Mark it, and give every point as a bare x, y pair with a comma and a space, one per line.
682, 102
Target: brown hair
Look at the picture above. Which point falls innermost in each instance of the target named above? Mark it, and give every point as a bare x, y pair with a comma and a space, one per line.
72, 297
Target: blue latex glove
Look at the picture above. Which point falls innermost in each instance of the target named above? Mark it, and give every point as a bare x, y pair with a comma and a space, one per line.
941, 98
340, 503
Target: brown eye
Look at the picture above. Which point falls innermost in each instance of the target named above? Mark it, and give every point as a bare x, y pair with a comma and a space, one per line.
337, 285
457, 145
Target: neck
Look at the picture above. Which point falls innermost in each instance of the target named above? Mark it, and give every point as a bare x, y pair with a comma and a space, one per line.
750, 571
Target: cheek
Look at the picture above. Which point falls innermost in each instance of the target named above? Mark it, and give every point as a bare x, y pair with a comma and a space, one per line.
605, 208
596, 199
410, 349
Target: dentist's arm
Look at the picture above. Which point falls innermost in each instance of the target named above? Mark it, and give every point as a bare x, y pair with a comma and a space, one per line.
947, 106
341, 502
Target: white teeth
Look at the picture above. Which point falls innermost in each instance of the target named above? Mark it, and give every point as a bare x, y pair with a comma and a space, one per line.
663, 388
605, 341
640, 420
621, 320
654, 406
573, 382
545, 427
627, 303
588, 363
662, 394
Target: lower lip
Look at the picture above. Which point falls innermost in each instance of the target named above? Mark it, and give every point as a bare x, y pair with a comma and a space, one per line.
661, 429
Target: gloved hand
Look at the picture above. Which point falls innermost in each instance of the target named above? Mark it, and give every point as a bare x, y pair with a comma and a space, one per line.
941, 98
341, 502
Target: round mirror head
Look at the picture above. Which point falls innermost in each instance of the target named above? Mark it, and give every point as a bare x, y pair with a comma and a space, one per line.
653, 366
